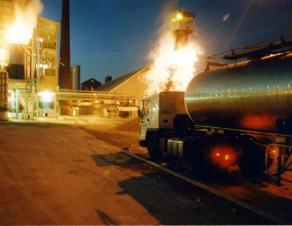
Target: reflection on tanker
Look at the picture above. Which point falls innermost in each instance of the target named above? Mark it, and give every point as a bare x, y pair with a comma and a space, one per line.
255, 95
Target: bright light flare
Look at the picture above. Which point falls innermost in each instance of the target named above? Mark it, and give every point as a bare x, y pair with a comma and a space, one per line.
179, 16
172, 67
273, 151
20, 31
224, 156
46, 96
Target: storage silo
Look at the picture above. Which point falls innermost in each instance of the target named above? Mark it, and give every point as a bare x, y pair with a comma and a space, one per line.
75, 74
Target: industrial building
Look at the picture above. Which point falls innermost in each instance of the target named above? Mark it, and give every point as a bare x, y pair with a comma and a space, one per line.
90, 85
32, 67
39, 84
133, 84
33, 72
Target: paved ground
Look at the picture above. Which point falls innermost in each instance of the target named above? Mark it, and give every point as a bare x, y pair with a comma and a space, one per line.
60, 174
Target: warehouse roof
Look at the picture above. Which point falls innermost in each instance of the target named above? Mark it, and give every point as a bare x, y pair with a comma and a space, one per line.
115, 83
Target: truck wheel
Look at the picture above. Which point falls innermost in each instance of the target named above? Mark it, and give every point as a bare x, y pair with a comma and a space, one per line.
252, 159
198, 158
153, 146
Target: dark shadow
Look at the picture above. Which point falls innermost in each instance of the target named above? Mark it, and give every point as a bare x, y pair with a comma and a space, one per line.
175, 202
118, 159
105, 218
172, 201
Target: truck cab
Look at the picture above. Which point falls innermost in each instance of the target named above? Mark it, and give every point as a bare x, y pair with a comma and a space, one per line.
168, 131
159, 111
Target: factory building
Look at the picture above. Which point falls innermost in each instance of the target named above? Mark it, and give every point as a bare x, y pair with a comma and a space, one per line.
35, 87
33, 73
6, 9
90, 85
32, 68
133, 84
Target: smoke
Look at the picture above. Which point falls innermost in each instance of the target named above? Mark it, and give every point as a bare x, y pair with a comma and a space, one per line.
172, 66
26, 13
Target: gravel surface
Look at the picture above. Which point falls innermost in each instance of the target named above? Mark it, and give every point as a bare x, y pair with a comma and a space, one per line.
58, 174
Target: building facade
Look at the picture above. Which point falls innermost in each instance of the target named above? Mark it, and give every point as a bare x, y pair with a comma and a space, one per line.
32, 68
90, 85
133, 84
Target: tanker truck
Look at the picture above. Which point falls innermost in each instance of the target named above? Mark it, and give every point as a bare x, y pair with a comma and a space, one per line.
236, 115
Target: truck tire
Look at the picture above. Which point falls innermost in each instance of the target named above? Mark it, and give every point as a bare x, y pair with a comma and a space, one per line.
199, 158
251, 159
153, 146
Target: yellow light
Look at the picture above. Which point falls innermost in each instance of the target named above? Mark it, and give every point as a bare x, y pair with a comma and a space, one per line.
18, 33
179, 16
226, 157
273, 151
46, 96
171, 64
11, 98
217, 154
20, 30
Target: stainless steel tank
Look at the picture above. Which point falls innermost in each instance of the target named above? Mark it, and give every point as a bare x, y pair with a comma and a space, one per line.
253, 95
75, 74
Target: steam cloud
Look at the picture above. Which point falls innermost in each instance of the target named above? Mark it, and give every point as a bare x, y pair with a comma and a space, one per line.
26, 12
171, 67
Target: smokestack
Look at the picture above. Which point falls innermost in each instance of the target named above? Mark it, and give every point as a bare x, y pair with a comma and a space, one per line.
65, 81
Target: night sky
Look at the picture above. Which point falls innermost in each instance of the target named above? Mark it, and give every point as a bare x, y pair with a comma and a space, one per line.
114, 37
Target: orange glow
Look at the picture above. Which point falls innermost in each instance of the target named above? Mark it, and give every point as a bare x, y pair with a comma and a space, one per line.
258, 122
223, 156
20, 31
273, 151
172, 66
178, 17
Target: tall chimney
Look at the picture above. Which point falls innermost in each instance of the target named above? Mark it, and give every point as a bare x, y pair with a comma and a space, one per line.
65, 81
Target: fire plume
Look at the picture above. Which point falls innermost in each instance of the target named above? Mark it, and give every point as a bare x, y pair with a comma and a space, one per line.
172, 65
20, 31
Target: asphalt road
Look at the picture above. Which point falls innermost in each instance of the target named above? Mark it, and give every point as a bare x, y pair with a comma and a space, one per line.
57, 174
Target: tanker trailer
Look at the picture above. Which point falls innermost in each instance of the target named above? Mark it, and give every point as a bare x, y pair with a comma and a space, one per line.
237, 115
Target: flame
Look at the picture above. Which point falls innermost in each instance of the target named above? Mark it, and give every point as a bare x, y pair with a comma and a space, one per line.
20, 31
172, 66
